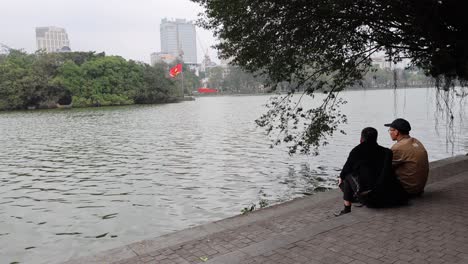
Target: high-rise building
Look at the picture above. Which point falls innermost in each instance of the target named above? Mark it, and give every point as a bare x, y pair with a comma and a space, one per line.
52, 39
178, 38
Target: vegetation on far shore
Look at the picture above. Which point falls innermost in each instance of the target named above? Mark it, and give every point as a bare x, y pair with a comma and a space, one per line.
87, 79
43, 80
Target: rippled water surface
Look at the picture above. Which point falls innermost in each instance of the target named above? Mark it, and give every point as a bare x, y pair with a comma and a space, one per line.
75, 182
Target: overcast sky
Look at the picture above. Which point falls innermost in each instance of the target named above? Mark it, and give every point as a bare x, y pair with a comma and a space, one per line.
129, 28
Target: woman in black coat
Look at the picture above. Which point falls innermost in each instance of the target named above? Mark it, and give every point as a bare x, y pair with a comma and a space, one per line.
368, 177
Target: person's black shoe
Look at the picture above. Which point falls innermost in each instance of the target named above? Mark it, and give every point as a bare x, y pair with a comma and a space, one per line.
347, 209
342, 212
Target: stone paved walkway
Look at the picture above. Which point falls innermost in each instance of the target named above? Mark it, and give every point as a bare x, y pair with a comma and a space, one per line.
432, 229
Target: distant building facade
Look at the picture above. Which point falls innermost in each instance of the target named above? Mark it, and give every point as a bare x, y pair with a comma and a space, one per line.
158, 57
52, 39
178, 38
381, 63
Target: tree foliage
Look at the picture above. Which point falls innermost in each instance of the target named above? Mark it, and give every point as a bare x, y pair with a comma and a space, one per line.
215, 77
155, 89
82, 78
230, 79
191, 80
325, 45
384, 78
239, 81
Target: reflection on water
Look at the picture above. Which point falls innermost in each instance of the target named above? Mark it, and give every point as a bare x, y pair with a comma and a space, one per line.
83, 180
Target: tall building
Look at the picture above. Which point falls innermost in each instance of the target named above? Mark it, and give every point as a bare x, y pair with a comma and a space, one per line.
178, 38
52, 39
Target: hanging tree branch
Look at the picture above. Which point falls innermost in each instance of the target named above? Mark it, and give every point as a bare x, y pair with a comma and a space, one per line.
322, 45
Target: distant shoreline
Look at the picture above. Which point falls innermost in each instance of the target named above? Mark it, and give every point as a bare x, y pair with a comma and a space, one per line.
195, 96
297, 92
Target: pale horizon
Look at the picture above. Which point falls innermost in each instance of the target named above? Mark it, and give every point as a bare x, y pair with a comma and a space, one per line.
124, 28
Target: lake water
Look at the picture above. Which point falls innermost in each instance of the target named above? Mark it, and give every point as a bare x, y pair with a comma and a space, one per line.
75, 182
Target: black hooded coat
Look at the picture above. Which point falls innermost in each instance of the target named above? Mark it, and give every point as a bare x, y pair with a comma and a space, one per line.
371, 166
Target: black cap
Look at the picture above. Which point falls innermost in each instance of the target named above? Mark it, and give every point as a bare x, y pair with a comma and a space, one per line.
400, 124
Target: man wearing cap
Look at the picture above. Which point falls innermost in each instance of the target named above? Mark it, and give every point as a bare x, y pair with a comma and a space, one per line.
410, 159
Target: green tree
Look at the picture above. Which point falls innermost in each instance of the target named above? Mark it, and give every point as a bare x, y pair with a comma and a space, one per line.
325, 45
81, 57
108, 81
45, 69
216, 78
84, 78
378, 78
71, 76
157, 88
240, 81
20, 85
32, 80
190, 80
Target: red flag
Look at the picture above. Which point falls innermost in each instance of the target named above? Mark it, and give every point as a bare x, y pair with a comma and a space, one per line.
174, 71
